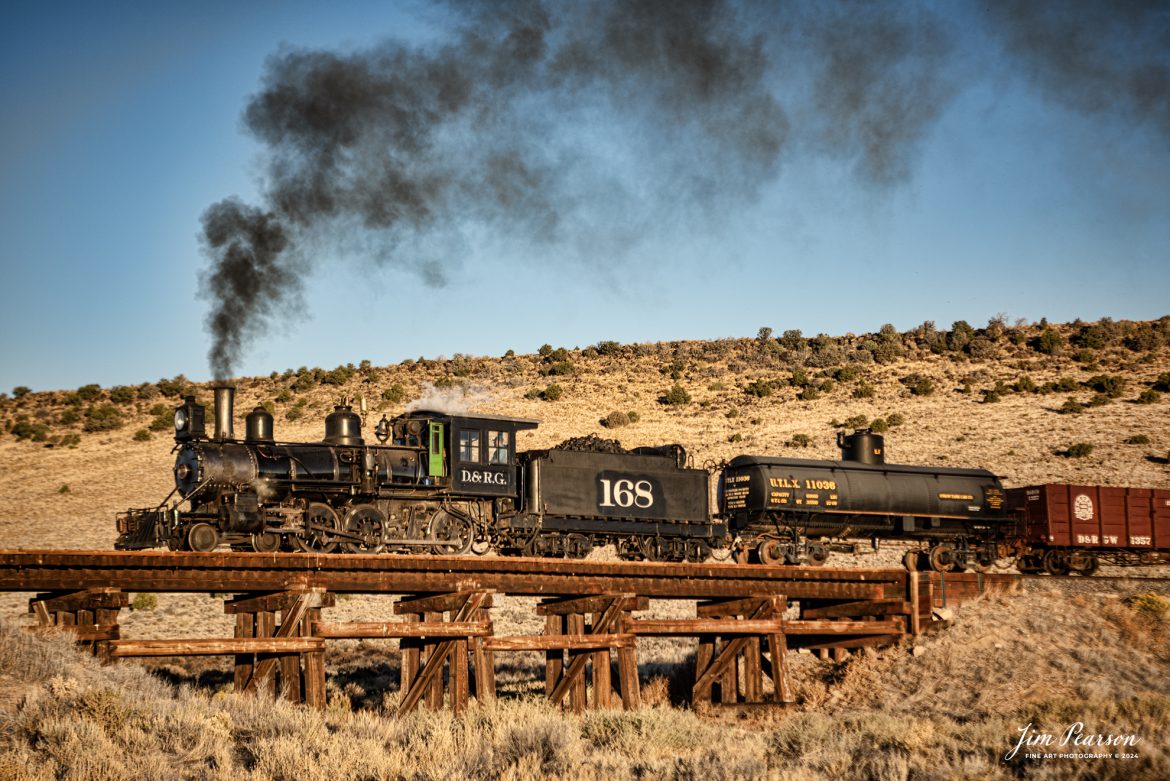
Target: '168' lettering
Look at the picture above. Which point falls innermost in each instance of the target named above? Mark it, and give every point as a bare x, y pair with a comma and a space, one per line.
626, 493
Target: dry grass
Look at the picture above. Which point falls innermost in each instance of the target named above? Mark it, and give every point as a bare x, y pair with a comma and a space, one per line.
951, 712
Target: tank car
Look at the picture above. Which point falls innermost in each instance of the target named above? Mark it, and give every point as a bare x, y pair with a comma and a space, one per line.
775, 505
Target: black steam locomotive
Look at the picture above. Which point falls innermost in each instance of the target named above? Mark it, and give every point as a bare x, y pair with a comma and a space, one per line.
445, 483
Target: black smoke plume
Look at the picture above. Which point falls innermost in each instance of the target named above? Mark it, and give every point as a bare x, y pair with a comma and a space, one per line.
1095, 57
585, 127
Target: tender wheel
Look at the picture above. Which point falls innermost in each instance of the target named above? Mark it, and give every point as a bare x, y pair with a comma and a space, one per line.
982, 563
697, 551
266, 542
941, 558
454, 533
322, 524
652, 549
1055, 562
202, 537
771, 553
578, 546
480, 547
369, 523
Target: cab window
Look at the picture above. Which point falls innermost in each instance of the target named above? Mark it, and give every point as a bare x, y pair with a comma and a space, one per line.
469, 446
498, 445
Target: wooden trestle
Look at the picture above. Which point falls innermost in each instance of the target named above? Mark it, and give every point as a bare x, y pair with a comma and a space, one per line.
746, 619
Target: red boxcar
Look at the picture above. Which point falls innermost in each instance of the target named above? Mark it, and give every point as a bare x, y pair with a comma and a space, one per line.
1074, 527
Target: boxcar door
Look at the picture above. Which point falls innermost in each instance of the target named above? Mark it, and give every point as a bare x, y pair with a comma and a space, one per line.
438, 453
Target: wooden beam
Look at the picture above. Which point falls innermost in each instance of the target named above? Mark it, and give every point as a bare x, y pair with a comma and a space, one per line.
280, 600
873, 607
689, 627
90, 598
82, 633
390, 629
559, 642
820, 626
216, 647
591, 604
728, 607
574, 674
290, 627
436, 603
428, 676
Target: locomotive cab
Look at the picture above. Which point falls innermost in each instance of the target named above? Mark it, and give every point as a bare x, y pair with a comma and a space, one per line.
473, 455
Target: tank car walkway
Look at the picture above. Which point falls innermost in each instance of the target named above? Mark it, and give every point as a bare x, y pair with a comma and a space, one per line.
747, 617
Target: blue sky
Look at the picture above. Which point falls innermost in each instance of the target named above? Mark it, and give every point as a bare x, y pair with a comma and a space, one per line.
122, 123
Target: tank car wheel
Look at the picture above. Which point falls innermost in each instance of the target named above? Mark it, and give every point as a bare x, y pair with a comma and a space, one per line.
322, 522
202, 537
817, 555
982, 564
1055, 562
941, 558
369, 523
267, 542
770, 552
454, 533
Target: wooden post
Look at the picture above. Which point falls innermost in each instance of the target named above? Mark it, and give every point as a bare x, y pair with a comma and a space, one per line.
411, 654
915, 616
575, 625
554, 661
245, 663
290, 664
435, 691
314, 673
778, 648
602, 686
752, 677
628, 677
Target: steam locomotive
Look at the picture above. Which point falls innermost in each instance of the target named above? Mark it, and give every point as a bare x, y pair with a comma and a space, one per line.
448, 483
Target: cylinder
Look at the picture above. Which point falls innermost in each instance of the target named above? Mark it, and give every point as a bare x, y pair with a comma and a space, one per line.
343, 427
225, 397
258, 425
862, 447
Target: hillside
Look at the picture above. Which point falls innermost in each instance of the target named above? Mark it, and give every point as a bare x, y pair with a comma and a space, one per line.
1013, 399
1008, 398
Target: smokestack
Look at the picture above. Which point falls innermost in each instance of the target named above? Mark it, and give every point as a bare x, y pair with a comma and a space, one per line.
225, 397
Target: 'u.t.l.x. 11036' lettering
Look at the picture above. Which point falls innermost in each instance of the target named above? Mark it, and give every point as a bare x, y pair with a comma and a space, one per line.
626, 493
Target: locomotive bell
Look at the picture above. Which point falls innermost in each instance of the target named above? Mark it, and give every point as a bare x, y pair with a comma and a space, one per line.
258, 425
343, 427
862, 447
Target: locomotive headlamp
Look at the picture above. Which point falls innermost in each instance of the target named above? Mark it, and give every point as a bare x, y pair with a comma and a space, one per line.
180, 419
183, 471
